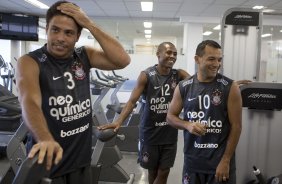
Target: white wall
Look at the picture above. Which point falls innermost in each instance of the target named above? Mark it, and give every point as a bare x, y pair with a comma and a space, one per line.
271, 61
141, 62
5, 49
192, 36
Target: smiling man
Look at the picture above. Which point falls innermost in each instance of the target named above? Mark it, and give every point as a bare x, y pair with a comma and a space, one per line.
54, 91
158, 140
212, 120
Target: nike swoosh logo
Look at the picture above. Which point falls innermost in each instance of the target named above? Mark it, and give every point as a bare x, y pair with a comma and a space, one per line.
191, 99
157, 87
56, 78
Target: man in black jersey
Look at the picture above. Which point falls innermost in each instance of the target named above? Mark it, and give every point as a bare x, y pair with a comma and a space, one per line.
158, 140
54, 92
212, 120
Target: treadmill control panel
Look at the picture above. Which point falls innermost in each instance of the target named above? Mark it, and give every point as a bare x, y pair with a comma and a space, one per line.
264, 96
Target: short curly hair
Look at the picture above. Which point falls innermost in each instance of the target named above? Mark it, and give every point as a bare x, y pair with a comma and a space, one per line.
53, 11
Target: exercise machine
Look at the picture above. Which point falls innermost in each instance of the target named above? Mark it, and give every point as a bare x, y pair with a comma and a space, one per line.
32, 172
106, 155
117, 82
260, 179
261, 121
7, 72
15, 168
241, 30
128, 134
128, 138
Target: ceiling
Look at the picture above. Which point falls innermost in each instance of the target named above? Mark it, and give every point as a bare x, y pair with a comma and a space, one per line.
124, 18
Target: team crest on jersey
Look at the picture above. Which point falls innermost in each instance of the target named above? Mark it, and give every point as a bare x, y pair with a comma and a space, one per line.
43, 58
173, 83
186, 179
79, 73
216, 97
78, 50
145, 157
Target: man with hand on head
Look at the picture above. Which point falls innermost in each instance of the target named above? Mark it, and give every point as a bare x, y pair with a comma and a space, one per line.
54, 92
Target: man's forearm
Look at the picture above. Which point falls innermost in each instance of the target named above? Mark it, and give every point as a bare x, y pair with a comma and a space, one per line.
127, 109
37, 124
176, 122
232, 142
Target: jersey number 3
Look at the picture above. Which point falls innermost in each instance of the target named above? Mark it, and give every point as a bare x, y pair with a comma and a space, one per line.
71, 83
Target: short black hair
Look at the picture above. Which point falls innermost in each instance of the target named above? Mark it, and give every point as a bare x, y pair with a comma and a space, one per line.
162, 46
200, 51
53, 11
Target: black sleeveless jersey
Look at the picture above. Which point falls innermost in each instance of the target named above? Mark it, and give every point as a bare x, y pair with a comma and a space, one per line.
154, 130
66, 105
206, 102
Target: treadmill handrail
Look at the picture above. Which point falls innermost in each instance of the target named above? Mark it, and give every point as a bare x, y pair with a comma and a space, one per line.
32, 172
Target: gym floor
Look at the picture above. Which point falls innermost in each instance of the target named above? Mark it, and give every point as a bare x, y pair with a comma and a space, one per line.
130, 165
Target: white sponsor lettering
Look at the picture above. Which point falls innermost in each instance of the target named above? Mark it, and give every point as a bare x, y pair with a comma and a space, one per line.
207, 145
212, 123
198, 116
161, 124
258, 95
213, 130
76, 116
158, 105
162, 111
74, 131
213, 126
195, 115
63, 108
243, 17
60, 100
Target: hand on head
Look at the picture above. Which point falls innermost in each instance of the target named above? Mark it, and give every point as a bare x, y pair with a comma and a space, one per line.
75, 12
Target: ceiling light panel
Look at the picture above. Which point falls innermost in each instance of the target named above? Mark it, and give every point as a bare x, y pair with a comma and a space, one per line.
147, 6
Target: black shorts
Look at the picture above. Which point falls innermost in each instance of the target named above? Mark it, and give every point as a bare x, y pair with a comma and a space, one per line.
81, 176
200, 178
157, 156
